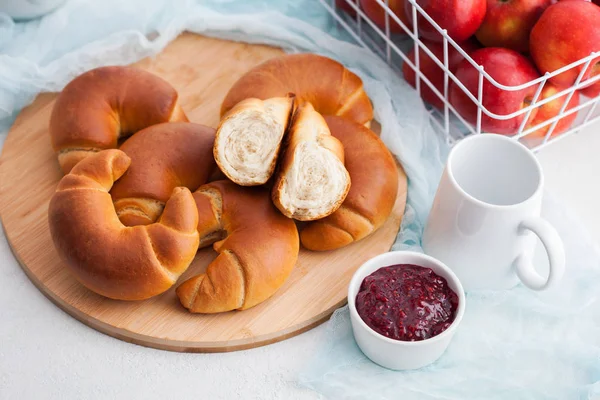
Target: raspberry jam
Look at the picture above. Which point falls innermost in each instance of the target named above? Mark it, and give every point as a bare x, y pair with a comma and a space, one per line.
406, 302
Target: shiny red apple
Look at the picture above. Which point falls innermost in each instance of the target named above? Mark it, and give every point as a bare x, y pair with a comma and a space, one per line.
567, 32
432, 71
551, 110
461, 18
346, 7
506, 67
376, 13
508, 23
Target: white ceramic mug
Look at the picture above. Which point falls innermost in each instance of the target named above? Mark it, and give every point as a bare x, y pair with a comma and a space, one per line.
486, 216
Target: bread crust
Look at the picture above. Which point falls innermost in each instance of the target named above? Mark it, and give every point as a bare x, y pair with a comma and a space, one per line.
163, 157
309, 134
123, 263
261, 121
102, 105
257, 246
372, 196
325, 83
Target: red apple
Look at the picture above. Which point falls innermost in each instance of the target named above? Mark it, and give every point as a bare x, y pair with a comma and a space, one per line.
508, 68
593, 90
551, 110
432, 71
343, 5
376, 13
508, 23
461, 18
567, 32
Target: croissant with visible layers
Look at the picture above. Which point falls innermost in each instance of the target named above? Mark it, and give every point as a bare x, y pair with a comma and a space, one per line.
248, 139
311, 182
105, 104
123, 263
372, 196
257, 249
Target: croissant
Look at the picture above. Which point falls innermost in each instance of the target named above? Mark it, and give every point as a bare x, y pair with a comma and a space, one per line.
105, 104
248, 139
311, 182
124, 263
326, 84
371, 197
257, 249
163, 157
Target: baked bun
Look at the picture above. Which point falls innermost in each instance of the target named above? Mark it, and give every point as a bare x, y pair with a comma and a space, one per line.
257, 247
311, 182
163, 157
248, 139
328, 85
124, 263
105, 104
372, 196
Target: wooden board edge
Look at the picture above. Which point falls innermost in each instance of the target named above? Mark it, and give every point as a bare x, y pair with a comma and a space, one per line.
163, 343
176, 345
166, 344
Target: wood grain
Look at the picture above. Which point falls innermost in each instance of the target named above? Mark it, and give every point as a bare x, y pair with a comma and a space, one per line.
202, 70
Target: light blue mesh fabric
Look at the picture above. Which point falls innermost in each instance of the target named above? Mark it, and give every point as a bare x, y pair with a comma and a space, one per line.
515, 344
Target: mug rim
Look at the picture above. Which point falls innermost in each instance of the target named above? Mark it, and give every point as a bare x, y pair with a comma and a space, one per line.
491, 136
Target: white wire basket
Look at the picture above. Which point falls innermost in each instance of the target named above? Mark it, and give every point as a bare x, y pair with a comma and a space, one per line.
395, 50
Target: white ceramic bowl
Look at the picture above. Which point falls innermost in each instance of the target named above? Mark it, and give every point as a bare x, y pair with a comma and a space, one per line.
397, 354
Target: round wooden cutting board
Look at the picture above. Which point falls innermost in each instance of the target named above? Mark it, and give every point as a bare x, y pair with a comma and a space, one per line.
202, 70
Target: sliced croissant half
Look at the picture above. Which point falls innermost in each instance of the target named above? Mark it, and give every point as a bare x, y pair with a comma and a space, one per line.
311, 181
248, 139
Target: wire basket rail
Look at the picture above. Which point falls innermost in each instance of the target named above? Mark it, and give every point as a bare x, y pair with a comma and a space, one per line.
398, 48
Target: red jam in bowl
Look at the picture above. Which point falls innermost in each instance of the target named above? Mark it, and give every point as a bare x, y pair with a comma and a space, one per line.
406, 302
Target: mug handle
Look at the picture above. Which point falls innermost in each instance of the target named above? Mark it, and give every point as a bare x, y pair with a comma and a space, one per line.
554, 250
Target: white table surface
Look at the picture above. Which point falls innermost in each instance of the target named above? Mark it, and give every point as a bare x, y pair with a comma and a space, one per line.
46, 354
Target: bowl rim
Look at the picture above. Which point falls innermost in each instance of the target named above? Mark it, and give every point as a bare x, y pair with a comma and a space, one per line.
446, 333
